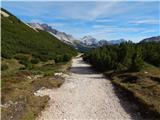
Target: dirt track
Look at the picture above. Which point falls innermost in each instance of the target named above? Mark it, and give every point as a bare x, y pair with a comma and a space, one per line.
84, 95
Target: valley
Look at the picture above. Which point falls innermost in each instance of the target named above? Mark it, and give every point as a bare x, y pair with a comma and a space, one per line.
49, 74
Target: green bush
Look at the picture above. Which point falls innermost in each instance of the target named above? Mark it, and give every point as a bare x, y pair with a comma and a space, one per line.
59, 58
124, 57
67, 57
137, 62
21, 57
120, 67
34, 60
151, 52
26, 63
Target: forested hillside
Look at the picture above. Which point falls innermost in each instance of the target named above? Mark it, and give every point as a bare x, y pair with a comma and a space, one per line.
17, 37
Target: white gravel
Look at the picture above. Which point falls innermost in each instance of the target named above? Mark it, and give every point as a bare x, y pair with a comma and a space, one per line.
85, 95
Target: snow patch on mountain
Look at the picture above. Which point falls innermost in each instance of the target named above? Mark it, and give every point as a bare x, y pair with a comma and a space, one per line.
89, 40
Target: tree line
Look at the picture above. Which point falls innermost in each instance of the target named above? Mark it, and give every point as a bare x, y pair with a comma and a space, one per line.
126, 56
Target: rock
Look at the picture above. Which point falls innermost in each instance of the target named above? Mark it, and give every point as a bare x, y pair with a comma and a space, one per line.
145, 72
11, 117
29, 77
58, 74
37, 76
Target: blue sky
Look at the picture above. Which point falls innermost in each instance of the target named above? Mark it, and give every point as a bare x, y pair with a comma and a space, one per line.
102, 20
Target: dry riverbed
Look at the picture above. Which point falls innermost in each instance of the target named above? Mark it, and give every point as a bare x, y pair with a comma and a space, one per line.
85, 94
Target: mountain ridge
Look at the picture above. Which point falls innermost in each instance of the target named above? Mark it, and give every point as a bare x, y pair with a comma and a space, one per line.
66, 38
151, 39
86, 41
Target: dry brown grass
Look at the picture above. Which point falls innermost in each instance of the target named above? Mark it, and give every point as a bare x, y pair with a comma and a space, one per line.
18, 97
18, 87
144, 87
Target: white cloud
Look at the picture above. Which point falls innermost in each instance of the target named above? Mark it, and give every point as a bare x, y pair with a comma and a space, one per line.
104, 20
101, 8
115, 29
91, 10
147, 21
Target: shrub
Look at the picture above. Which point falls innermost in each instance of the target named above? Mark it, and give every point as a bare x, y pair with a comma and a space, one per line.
66, 57
26, 63
59, 58
120, 67
34, 60
21, 57
124, 57
137, 62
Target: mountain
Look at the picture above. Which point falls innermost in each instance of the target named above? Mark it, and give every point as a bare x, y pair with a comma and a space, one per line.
81, 47
88, 40
151, 39
20, 38
93, 42
36, 26
102, 42
105, 42
66, 38
116, 41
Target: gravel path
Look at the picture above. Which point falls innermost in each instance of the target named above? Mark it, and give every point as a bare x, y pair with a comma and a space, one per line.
84, 95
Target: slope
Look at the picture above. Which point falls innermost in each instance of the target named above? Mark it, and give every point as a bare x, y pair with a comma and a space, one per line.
17, 37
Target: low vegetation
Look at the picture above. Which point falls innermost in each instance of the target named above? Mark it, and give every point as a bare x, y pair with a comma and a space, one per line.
19, 85
18, 99
135, 69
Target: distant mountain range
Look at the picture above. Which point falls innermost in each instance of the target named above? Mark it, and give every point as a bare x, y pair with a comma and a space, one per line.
90, 41
84, 42
67, 38
102, 42
151, 39
116, 41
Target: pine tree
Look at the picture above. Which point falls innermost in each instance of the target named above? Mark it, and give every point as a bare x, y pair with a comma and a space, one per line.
137, 61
